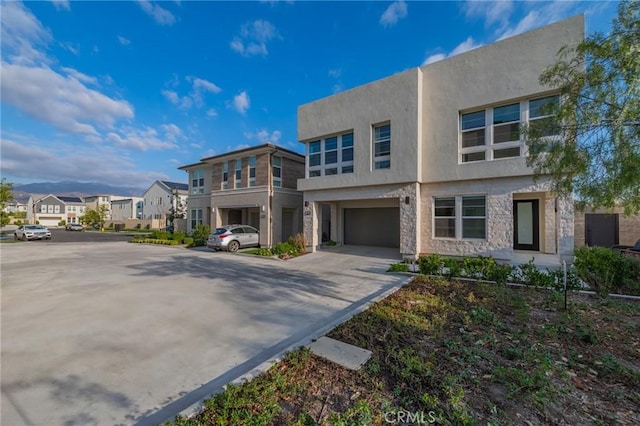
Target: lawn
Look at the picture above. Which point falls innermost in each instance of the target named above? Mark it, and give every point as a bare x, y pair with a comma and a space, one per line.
454, 352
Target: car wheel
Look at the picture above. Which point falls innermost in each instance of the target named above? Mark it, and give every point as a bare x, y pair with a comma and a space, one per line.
234, 246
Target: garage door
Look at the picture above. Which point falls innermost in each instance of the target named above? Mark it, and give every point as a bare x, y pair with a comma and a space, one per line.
49, 221
372, 227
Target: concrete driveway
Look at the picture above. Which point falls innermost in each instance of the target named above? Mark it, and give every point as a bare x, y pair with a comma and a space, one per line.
118, 333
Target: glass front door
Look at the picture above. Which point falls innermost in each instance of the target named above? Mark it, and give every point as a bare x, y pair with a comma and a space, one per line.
526, 225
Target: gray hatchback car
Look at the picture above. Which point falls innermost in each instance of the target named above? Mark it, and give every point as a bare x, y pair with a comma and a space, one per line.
234, 237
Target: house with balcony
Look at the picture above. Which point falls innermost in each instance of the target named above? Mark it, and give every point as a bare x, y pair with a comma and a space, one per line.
52, 210
254, 186
432, 159
163, 201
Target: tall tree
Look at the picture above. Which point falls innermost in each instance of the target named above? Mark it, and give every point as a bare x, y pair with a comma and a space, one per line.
6, 196
596, 151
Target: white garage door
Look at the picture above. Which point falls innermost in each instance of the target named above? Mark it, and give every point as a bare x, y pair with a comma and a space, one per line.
49, 221
378, 227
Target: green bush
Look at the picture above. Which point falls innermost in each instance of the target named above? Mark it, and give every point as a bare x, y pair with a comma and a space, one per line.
178, 236
201, 232
454, 267
398, 267
607, 271
430, 265
147, 226
160, 235
331, 243
265, 252
62, 223
198, 242
188, 241
110, 225
529, 274
17, 222
154, 241
498, 273
138, 226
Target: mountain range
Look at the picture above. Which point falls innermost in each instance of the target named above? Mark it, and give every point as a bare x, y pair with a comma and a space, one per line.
77, 189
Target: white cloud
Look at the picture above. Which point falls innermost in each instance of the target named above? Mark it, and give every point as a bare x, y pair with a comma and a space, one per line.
171, 96
61, 4
79, 76
124, 41
200, 84
465, 46
396, 11
71, 47
61, 101
160, 15
335, 72
336, 88
32, 159
253, 38
171, 131
212, 113
241, 102
144, 139
493, 12
195, 97
21, 34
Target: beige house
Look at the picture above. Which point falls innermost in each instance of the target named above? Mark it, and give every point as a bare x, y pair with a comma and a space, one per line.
431, 160
254, 186
52, 210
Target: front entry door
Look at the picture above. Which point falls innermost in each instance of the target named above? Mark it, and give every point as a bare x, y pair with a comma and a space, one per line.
526, 225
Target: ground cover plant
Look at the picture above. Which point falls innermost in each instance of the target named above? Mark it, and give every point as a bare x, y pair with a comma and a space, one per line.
458, 352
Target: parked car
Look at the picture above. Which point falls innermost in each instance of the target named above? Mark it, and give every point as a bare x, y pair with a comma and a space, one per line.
32, 232
74, 227
234, 237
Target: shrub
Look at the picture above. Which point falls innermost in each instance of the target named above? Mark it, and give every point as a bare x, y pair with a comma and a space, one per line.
264, 252
17, 222
573, 281
607, 271
430, 265
285, 248
331, 243
178, 236
498, 273
198, 242
110, 225
201, 232
454, 267
529, 274
398, 267
62, 223
188, 241
300, 242
138, 226
160, 235
147, 226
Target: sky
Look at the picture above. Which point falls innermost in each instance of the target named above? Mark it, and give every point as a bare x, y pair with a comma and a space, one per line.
124, 93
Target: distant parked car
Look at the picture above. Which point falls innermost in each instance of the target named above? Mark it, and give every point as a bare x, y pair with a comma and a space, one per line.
74, 227
234, 237
32, 232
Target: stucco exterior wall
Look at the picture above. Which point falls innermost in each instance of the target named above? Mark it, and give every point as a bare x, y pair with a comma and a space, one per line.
393, 99
152, 204
506, 70
556, 233
285, 198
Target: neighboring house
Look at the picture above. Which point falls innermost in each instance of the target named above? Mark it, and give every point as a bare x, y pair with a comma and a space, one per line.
94, 202
163, 199
431, 160
254, 186
51, 210
606, 227
127, 208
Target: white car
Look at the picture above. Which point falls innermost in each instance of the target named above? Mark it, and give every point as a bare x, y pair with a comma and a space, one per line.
32, 232
233, 237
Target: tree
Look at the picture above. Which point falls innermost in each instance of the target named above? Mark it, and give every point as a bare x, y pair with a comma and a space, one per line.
90, 217
6, 196
596, 154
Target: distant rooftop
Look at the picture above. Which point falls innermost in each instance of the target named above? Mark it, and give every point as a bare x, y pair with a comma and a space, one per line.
69, 199
176, 185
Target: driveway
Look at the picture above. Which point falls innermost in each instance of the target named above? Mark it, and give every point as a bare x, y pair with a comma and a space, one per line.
118, 333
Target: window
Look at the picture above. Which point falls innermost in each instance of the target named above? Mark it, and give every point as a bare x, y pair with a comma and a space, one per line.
197, 181
331, 156
252, 171
277, 171
225, 175
382, 146
461, 217
238, 173
196, 218
502, 138
540, 118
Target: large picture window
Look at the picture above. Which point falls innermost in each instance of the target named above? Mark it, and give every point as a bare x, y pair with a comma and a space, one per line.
502, 138
330, 156
196, 218
382, 146
460, 217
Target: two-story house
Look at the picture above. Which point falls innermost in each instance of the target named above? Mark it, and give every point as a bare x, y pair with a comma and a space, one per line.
52, 210
432, 160
254, 186
127, 208
162, 200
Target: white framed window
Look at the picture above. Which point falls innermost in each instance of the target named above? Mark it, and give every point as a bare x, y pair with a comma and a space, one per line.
502, 138
382, 146
197, 181
238, 173
330, 156
460, 217
196, 218
277, 171
225, 175
252, 171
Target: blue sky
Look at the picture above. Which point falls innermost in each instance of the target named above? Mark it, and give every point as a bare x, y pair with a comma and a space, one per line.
125, 92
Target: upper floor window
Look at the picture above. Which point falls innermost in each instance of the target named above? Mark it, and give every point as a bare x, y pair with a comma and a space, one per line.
252, 171
197, 181
330, 156
238, 173
382, 146
277, 171
225, 175
502, 137
540, 116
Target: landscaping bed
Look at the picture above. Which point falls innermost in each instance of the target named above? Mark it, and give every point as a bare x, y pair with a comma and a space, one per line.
456, 352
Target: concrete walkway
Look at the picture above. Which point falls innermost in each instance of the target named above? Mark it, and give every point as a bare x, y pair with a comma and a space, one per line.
118, 333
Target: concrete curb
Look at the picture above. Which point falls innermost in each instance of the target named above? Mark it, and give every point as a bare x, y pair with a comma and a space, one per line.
255, 371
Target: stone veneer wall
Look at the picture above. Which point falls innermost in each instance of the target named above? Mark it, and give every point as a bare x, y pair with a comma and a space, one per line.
500, 195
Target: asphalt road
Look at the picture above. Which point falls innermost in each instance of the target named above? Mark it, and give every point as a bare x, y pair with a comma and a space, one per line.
62, 236
111, 333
